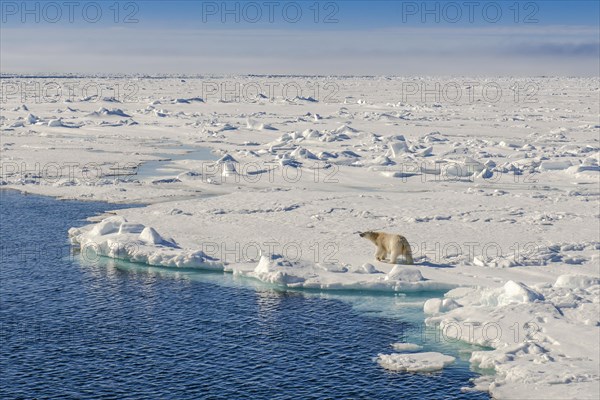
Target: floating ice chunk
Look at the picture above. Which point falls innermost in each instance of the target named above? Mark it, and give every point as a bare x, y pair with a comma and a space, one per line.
166, 180
406, 347
380, 161
424, 152
227, 158
554, 165
397, 149
126, 227
519, 293
187, 101
512, 292
115, 111
285, 137
73, 233
108, 225
365, 269
397, 174
228, 169
576, 281
303, 153
274, 269
55, 123
311, 134
18, 124
225, 127
31, 119
148, 247
288, 162
255, 125
333, 137
110, 99
437, 306
394, 138
528, 147
150, 236
433, 137
349, 154
573, 260
497, 262
324, 155
490, 164
297, 136
463, 167
402, 273
418, 362
575, 169
264, 265
345, 129
508, 144
305, 99
337, 268
485, 174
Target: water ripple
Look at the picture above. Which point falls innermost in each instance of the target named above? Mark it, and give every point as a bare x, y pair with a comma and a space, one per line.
101, 331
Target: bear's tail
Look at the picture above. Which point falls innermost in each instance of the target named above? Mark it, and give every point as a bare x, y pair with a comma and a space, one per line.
407, 252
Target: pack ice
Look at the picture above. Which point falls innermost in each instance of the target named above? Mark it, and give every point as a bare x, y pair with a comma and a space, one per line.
499, 201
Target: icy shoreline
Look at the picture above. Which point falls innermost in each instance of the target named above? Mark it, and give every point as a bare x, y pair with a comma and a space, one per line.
499, 201
115, 237
535, 327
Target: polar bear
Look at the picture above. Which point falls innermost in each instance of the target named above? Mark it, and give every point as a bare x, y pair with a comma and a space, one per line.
389, 243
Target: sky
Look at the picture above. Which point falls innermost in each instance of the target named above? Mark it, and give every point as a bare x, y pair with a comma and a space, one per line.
450, 38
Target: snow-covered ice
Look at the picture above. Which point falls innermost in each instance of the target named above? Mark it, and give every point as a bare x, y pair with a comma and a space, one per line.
499, 202
415, 362
406, 347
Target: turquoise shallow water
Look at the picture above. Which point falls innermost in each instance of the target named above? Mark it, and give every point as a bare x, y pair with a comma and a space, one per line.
75, 329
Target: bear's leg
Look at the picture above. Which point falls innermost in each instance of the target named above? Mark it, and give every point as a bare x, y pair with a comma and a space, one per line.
394, 256
408, 258
379, 254
407, 253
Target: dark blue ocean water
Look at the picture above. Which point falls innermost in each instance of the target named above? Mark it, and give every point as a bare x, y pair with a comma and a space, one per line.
73, 329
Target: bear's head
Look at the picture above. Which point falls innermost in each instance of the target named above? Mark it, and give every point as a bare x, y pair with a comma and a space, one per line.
368, 235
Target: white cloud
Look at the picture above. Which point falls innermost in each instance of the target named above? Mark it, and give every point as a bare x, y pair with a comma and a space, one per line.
539, 50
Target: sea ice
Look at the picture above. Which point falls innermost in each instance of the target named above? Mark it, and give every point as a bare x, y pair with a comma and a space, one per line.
415, 362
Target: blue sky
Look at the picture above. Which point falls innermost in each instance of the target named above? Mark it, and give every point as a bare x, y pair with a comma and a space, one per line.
379, 14
303, 37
